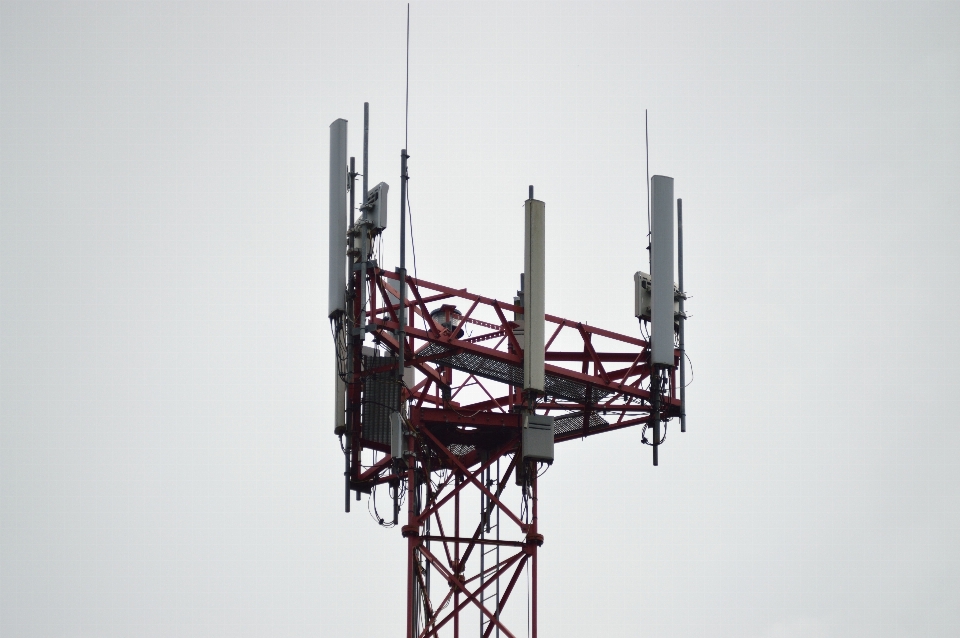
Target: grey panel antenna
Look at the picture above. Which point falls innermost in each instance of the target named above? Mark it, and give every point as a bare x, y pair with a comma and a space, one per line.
533, 295
337, 269
662, 297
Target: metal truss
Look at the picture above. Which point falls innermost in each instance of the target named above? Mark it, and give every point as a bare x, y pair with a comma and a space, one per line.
467, 581
464, 419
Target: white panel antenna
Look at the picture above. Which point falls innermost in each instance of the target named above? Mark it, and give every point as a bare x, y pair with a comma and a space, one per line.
337, 270
662, 294
533, 295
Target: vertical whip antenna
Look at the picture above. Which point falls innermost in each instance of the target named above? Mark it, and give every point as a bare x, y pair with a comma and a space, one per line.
646, 131
413, 585
406, 109
402, 271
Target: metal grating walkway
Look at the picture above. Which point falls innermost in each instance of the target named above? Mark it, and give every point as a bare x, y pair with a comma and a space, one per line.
511, 374
573, 422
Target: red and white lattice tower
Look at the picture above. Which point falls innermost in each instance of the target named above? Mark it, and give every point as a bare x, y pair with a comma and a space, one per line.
451, 402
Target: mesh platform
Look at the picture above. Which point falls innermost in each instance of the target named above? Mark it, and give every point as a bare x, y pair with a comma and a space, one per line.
461, 450
573, 422
511, 374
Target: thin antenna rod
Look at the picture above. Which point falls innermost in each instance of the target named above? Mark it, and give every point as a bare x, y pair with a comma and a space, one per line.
655, 412
654, 372
406, 112
366, 139
402, 270
646, 129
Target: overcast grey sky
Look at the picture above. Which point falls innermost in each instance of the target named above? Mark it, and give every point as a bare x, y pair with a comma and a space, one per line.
167, 463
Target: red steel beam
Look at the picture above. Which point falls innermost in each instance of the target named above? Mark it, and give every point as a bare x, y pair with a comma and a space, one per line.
436, 415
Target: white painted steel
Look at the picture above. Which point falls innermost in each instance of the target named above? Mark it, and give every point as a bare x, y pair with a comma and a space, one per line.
337, 269
662, 298
397, 443
533, 294
537, 437
641, 295
377, 203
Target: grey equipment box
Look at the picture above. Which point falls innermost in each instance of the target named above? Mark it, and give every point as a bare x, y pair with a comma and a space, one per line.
537, 439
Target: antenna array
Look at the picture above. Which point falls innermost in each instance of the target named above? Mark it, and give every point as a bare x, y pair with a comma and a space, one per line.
444, 396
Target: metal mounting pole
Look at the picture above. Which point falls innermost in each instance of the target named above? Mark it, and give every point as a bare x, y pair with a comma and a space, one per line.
456, 555
346, 474
655, 411
411, 532
366, 138
533, 557
426, 530
402, 271
351, 177
401, 339
683, 357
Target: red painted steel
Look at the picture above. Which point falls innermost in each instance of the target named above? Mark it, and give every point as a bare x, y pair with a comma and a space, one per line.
465, 420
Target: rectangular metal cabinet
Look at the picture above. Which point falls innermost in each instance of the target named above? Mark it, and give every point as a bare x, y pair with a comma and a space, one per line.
537, 439
377, 203
641, 295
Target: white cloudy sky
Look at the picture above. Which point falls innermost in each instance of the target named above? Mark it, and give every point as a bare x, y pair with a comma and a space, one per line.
167, 463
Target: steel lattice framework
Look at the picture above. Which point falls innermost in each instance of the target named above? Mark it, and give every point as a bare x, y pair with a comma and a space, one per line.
463, 428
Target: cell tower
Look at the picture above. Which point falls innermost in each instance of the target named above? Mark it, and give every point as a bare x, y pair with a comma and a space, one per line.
452, 401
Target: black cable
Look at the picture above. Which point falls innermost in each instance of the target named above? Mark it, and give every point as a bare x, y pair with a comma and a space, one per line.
663, 421
380, 253
643, 330
413, 245
340, 349
643, 433
376, 514
406, 109
691, 368
392, 408
413, 241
